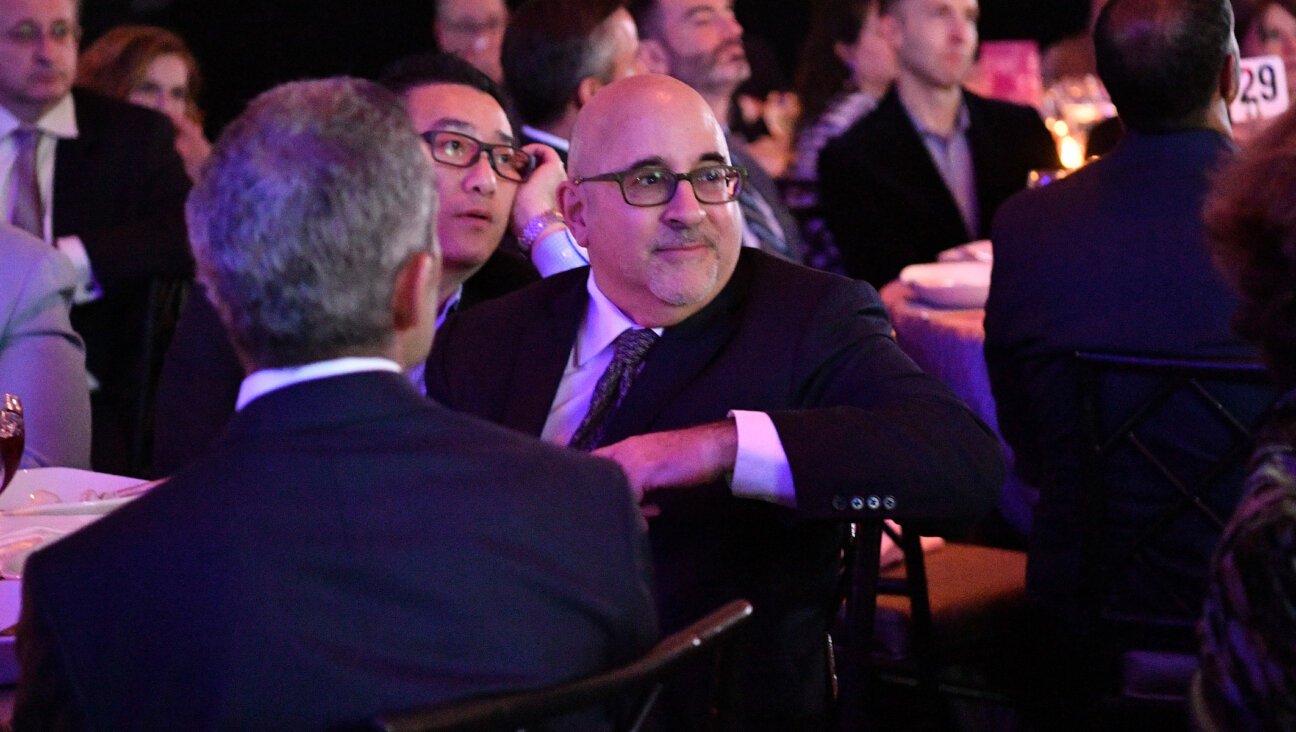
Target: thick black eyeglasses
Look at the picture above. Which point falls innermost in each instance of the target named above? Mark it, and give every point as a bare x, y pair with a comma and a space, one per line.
654, 186
462, 151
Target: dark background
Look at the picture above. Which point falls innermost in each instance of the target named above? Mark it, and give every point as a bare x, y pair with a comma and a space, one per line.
246, 46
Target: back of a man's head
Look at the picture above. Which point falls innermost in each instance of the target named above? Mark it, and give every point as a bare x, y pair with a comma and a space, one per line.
1161, 59
549, 47
311, 202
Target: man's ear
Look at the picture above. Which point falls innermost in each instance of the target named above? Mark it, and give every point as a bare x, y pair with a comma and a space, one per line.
1229, 81
653, 56
573, 210
586, 90
414, 294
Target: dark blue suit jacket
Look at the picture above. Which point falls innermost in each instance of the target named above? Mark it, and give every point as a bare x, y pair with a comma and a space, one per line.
349, 548
866, 433
1111, 258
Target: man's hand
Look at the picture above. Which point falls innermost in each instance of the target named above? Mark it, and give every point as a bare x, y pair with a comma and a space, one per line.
540, 192
676, 459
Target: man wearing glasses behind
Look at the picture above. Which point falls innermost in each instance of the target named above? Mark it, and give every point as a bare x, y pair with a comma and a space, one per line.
751, 401
481, 180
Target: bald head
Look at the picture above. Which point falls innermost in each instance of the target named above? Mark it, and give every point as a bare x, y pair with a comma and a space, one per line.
635, 105
662, 262
1164, 61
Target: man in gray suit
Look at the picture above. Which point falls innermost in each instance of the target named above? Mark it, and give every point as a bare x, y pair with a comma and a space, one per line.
42, 360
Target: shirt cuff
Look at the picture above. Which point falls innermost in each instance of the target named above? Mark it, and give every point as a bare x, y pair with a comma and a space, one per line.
558, 252
761, 470
87, 287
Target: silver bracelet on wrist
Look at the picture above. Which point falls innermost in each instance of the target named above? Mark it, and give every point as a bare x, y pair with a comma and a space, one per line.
536, 225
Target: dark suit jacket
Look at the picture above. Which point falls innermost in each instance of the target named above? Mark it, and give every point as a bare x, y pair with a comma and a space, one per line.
120, 187
348, 548
867, 436
1111, 258
201, 373
885, 201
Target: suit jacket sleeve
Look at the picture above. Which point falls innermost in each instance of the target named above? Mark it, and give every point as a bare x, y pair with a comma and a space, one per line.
876, 436
42, 361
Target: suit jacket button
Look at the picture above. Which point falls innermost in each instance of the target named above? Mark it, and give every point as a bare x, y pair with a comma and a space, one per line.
839, 503
874, 502
857, 503
889, 503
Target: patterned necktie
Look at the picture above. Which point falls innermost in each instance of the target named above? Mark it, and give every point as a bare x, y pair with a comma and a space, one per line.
25, 209
631, 347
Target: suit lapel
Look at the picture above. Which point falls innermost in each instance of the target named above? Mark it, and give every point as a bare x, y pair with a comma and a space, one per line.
73, 163
542, 356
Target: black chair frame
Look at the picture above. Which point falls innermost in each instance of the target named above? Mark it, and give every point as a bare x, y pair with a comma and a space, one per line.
517, 711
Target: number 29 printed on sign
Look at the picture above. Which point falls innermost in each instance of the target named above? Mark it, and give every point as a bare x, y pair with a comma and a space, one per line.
1262, 89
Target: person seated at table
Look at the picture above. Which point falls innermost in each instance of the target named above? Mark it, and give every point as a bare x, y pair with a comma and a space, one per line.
753, 402
349, 547
42, 360
846, 66
443, 94
1248, 634
926, 170
151, 67
1112, 258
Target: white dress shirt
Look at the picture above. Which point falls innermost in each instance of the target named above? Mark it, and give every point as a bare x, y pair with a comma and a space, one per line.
761, 470
262, 382
56, 124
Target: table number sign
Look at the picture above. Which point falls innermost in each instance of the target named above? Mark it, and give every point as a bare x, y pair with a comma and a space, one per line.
1262, 89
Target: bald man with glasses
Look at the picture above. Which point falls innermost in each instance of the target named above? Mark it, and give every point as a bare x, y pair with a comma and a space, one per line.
753, 403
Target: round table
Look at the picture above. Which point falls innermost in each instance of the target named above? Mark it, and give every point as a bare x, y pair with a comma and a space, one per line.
949, 343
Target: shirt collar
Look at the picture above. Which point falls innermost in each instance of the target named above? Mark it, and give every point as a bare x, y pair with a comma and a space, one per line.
449, 306
551, 140
604, 321
262, 382
60, 121
962, 121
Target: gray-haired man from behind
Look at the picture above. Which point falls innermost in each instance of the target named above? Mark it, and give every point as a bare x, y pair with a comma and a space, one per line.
349, 547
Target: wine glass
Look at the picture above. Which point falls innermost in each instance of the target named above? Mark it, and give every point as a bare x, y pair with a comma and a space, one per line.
12, 437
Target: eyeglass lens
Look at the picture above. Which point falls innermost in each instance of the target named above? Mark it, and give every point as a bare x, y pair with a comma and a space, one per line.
461, 151
655, 186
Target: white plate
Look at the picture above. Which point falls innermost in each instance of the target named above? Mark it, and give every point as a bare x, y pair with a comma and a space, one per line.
949, 284
67, 484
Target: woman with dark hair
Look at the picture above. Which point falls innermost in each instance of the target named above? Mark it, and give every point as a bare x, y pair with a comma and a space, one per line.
151, 67
1248, 634
846, 66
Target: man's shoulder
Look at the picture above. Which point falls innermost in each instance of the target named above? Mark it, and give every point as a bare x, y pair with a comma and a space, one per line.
989, 109
514, 309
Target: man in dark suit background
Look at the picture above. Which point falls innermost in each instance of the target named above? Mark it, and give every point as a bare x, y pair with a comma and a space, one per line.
926, 169
349, 547
201, 374
773, 397
1112, 258
110, 193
